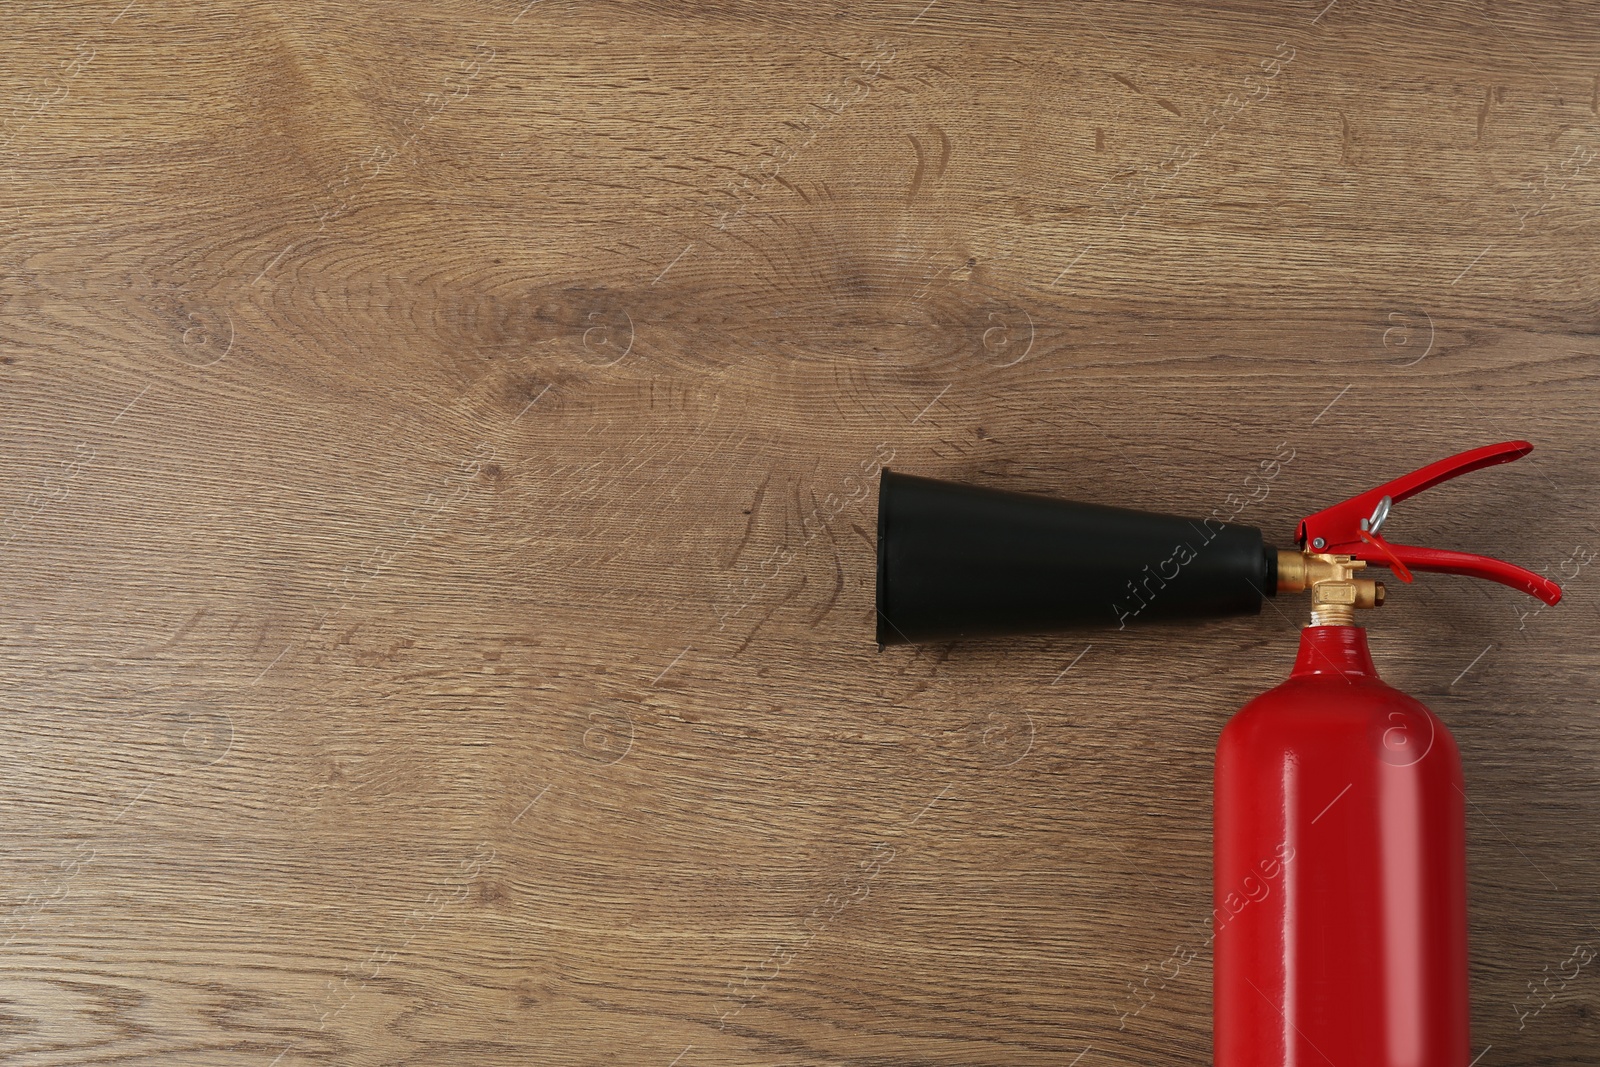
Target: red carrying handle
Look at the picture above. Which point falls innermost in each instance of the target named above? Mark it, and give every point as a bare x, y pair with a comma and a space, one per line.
1350, 528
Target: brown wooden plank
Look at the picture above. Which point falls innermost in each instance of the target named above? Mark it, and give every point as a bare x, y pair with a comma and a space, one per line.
438, 524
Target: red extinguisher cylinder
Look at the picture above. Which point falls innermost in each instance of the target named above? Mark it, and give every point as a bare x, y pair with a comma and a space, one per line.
1339, 897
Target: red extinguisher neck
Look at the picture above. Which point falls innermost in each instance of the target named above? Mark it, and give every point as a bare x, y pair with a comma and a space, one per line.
1334, 650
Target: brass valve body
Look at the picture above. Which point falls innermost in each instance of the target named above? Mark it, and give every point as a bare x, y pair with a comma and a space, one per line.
1335, 590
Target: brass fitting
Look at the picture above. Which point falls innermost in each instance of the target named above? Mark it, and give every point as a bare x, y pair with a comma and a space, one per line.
1335, 590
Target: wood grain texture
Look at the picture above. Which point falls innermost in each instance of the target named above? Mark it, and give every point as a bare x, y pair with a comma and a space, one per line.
438, 509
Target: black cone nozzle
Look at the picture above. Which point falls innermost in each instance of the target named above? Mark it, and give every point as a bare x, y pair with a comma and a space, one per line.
958, 561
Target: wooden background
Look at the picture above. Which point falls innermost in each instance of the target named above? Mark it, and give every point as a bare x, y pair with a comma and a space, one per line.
438, 509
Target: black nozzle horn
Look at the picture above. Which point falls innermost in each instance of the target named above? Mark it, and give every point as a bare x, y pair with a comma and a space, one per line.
958, 561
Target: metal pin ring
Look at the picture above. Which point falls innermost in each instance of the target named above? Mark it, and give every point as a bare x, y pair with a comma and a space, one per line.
1380, 514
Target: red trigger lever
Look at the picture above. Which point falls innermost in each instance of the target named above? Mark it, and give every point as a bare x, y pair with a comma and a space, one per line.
1351, 528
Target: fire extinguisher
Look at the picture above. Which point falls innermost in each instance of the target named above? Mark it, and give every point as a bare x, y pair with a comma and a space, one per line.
1339, 843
